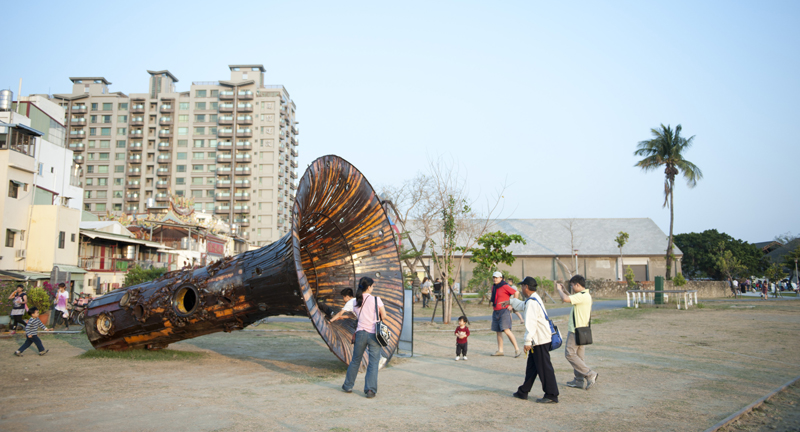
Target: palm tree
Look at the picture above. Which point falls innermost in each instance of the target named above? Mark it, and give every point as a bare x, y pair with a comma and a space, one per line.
666, 149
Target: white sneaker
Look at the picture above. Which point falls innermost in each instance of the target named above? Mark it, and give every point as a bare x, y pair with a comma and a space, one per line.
458, 358
463, 357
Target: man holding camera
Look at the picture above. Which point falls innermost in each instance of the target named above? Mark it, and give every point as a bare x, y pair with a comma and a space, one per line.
579, 317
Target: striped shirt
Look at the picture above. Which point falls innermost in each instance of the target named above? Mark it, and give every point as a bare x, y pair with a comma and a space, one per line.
33, 326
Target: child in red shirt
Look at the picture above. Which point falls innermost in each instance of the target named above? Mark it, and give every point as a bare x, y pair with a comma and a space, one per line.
462, 333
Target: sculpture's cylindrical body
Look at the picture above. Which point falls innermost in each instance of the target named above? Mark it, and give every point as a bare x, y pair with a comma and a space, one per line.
340, 233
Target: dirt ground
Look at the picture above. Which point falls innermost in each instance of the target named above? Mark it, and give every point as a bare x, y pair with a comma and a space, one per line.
660, 369
781, 412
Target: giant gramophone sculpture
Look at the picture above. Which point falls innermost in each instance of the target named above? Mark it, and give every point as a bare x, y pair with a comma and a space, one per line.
340, 233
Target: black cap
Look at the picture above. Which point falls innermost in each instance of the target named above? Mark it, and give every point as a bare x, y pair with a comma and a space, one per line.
530, 282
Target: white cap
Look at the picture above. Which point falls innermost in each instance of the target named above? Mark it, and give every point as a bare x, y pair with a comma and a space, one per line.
497, 274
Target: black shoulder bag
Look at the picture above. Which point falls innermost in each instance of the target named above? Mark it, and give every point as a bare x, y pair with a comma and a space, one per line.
382, 332
583, 335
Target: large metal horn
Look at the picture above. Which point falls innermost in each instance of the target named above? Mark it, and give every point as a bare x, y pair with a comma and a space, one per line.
339, 234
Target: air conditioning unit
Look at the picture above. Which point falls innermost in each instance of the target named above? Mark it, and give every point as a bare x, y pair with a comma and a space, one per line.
20, 253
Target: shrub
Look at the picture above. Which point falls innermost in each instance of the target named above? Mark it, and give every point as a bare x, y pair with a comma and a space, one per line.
630, 276
6, 288
138, 275
679, 280
545, 284
40, 298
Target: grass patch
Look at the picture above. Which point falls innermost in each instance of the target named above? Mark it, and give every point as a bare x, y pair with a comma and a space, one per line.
141, 355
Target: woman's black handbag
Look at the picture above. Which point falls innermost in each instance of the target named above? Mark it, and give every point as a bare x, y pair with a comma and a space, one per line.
382, 332
583, 335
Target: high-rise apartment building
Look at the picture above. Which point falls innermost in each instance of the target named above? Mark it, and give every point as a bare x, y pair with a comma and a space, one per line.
229, 146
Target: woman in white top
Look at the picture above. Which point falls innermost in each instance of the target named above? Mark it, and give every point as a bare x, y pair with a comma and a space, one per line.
62, 298
367, 309
425, 289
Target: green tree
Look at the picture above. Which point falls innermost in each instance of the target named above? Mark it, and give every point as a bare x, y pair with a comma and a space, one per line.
790, 259
729, 265
666, 149
679, 280
492, 251
621, 239
137, 275
40, 298
700, 252
775, 273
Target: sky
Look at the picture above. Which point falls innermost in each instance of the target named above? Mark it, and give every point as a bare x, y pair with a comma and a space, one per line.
547, 98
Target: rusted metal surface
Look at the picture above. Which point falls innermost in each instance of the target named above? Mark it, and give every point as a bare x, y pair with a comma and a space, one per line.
340, 233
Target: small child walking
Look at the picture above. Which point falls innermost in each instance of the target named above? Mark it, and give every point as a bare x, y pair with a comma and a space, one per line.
462, 333
32, 333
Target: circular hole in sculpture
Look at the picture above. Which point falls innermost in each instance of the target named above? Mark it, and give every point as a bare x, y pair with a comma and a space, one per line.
138, 312
126, 298
258, 271
185, 300
104, 324
378, 274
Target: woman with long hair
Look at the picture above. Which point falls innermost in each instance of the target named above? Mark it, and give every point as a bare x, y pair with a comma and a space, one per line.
62, 297
367, 308
426, 287
20, 302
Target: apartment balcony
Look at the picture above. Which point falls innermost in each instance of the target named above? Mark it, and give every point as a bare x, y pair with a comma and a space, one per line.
225, 107
165, 121
225, 145
242, 222
244, 145
162, 197
281, 148
77, 146
222, 209
77, 121
292, 186
78, 109
244, 120
244, 158
137, 121
162, 184
241, 208
135, 133
280, 185
244, 133
225, 120
244, 107
280, 198
295, 130
242, 170
135, 146
164, 158
223, 170
132, 197
222, 196
136, 159
162, 171
242, 196
293, 175
295, 142
226, 95
78, 159
132, 209
134, 184
245, 95
166, 108
295, 153
137, 109
223, 184
224, 158
164, 145
225, 133
165, 133
242, 183
293, 164
136, 172
77, 134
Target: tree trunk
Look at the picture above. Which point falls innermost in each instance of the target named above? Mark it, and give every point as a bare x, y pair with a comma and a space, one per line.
671, 221
622, 266
447, 304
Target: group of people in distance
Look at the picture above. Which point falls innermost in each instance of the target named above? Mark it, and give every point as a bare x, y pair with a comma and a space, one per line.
369, 309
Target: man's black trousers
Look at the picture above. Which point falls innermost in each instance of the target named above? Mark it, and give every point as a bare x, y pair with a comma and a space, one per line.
539, 365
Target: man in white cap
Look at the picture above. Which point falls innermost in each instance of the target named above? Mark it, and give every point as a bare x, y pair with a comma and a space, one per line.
501, 317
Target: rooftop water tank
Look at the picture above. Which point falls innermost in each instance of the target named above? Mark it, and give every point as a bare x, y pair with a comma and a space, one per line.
6, 96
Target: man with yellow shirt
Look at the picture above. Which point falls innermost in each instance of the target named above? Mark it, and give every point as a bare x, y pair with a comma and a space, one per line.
579, 317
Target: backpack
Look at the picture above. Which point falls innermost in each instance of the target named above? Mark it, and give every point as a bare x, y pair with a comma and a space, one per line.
555, 334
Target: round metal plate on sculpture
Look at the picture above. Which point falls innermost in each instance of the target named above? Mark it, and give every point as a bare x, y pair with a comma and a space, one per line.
339, 234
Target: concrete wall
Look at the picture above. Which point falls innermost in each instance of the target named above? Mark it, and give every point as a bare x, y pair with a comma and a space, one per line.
614, 289
47, 221
14, 211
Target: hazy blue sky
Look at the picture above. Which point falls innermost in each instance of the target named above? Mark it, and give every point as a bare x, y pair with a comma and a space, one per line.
550, 96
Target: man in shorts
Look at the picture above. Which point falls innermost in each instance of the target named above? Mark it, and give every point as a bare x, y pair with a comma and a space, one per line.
501, 316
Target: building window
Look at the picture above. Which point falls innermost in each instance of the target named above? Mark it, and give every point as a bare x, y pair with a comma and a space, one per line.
107, 107
106, 118
122, 106
198, 155
102, 169
102, 182
120, 144
199, 131
183, 106
183, 143
212, 143
13, 189
212, 118
94, 106
100, 207
92, 131
119, 156
200, 93
214, 105
9, 238
183, 131
209, 206
180, 193
199, 143
183, 118
89, 181
62, 237
105, 144
119, 168
197, 180
200, 105
104, 156
181, 155
212, 130
197, 194
200, 118
180, 168
118, 181
105, 131
212, 168
102, 194
87, 207
72, 237
117, 194
118, 207
180, 180
122, 131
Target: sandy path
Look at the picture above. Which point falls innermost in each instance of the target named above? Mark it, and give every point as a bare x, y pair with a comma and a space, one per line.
659, 370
